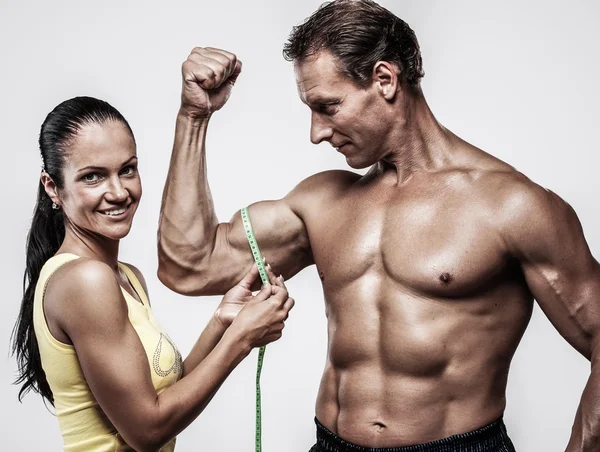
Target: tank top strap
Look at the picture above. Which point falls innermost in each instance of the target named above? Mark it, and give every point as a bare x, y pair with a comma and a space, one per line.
135, 282
55, 262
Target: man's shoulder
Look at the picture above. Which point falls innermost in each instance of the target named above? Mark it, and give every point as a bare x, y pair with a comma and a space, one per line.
328, 180
512, 191
521, 207
318, 191
490, 182
323, 185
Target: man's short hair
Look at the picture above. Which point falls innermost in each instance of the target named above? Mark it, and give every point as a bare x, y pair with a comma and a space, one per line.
358, 33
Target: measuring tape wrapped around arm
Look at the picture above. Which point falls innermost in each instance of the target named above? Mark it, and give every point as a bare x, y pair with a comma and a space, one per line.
262, 271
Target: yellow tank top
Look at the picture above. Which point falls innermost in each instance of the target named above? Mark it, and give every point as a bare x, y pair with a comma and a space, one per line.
83, 425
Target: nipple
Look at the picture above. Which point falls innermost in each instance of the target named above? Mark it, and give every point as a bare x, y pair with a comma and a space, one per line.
446, 278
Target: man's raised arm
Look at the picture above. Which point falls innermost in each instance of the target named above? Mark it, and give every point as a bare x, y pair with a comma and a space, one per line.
197, 254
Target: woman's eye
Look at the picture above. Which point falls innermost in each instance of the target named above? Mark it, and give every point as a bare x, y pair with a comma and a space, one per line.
91, 177
128, 170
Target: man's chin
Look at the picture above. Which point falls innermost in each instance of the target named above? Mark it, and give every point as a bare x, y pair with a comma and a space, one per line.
357, 164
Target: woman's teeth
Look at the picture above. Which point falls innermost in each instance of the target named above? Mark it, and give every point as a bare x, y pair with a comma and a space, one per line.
116, 211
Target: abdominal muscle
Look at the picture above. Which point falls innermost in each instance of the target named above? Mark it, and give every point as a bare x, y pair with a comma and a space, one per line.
404, 368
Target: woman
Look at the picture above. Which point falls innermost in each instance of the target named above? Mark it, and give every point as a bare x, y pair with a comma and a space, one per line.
86, 339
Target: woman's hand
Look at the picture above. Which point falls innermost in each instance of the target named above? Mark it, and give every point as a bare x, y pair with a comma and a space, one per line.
239, 295
256, 320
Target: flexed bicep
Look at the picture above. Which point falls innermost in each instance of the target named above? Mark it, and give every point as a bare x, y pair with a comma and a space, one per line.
280, 234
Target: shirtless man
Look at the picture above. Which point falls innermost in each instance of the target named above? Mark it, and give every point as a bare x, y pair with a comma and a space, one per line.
429, 263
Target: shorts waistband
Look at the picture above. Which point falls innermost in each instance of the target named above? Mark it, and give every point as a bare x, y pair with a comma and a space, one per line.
492, 437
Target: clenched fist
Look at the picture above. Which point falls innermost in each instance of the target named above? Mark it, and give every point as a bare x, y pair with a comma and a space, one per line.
208, 77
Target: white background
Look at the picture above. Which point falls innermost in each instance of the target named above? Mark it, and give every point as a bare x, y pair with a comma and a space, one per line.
518, 79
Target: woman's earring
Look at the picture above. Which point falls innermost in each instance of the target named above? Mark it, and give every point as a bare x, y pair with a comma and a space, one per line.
55, 206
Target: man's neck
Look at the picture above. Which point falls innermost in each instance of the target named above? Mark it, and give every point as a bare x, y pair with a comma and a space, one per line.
418, 142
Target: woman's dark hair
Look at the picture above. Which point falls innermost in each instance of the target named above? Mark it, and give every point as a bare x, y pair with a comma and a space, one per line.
47, 231
359, 33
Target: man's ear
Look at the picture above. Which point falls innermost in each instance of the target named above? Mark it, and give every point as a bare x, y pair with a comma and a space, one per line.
385, 76
50, 187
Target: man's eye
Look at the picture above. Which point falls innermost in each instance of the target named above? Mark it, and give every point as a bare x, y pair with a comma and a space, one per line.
327, 108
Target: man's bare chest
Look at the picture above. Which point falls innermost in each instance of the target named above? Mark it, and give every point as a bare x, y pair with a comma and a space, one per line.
434, 245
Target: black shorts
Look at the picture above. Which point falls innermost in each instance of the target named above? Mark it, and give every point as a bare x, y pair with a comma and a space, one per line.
491, 438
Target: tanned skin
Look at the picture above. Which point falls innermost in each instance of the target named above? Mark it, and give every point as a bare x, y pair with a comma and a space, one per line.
85, 307
429, 263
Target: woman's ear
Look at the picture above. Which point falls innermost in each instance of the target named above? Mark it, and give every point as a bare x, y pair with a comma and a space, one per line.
50, 187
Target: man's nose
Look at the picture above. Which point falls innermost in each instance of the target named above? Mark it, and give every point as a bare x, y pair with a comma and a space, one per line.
320, 129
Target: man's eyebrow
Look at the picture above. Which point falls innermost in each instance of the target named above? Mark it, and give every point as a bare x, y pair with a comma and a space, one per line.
318, 99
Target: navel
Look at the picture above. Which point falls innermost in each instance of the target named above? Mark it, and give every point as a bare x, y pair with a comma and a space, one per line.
379, 427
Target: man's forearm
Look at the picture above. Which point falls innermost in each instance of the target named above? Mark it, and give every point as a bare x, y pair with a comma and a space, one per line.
188, 222
586, 430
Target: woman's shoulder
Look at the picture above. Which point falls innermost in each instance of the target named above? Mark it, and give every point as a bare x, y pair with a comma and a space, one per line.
81, 296
84, 271
78, 283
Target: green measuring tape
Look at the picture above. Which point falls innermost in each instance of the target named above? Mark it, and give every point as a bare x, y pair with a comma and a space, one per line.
262, 271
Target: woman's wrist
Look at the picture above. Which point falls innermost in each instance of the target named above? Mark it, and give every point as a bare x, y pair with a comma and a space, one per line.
216, 325
237, 342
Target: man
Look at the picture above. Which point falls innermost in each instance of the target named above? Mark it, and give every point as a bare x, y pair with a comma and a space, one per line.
429, 263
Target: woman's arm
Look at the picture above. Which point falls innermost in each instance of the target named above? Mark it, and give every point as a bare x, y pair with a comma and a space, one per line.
94, 315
